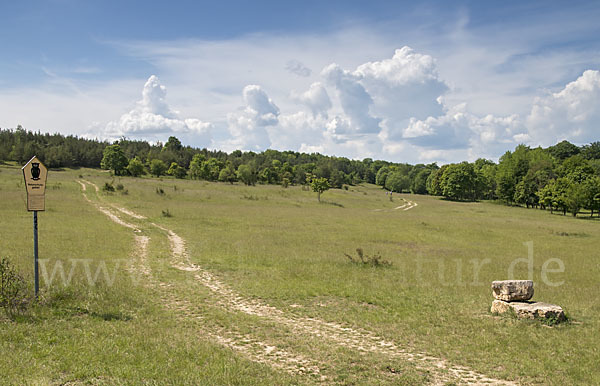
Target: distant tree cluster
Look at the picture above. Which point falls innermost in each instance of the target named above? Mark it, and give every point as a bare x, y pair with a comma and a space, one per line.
564, 177
55, 150
136, 158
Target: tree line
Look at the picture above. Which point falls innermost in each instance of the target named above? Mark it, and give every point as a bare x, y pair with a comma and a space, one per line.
563, 177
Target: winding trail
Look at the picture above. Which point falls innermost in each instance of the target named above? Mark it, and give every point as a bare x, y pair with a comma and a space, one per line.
408, 205
246, 345
228, 299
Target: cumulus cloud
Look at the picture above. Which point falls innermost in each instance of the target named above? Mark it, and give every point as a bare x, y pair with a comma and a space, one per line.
572, 113
296, 67
260, 106
355, 100
405, 67
460, 129
153, 119
403, 87
248, 126
154, 97
315, 98
297, 129
394, 108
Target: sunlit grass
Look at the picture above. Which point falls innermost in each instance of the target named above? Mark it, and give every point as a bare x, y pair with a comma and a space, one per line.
282, 246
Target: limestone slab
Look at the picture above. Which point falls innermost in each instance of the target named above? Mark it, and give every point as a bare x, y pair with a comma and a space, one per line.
529, 310
512, 290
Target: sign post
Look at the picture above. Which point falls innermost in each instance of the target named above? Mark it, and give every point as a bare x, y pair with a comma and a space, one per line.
35, 174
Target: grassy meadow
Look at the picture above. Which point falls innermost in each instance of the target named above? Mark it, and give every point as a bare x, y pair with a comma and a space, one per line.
282, 247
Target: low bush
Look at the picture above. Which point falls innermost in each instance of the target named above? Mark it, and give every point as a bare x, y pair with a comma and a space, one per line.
14, 297
108, 187
374, 261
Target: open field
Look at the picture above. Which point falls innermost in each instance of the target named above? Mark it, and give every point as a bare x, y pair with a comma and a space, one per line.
250, 285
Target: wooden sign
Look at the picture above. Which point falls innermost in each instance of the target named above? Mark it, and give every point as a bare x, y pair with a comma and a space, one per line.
35, 174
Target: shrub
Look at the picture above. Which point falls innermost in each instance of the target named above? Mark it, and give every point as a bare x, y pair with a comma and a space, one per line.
108, 187
136, 167
158, 167
119, 187
166, 213
13, 291
375, 260
160, 191
177, 171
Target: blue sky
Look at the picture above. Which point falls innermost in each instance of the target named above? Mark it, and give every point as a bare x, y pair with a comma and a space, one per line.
405, 81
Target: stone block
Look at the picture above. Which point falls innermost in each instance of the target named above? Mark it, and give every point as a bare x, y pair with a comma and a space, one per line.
512, 290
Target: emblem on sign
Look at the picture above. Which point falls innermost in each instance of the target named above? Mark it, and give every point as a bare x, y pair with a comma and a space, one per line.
35, 171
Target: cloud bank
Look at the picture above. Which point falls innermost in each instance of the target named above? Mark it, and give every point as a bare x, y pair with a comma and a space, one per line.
573, 113
154, 120
394, 108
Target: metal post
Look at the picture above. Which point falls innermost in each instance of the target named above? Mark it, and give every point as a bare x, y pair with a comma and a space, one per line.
35, 253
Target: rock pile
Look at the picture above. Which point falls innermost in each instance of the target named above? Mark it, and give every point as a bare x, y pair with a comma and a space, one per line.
515, 295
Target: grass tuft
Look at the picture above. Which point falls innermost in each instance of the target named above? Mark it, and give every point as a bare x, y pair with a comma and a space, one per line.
362, 259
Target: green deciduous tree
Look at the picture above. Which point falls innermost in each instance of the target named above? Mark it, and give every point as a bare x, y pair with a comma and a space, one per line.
177, 171
575, 197
158, 167
227, 174
546, 195
511, 169
114, 159
196, 166
246, 175
526, 193
382, 175
459, 182
591, 188
397, 182
319, 185
563, 150
560, 194
210, 169
418, 185
591, 151
135, 167
173, 144
434, 180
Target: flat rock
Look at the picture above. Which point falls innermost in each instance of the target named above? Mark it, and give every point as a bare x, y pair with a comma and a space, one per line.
512, 290
529, 310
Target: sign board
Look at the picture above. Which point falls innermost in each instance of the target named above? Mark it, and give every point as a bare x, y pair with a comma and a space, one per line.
35, 174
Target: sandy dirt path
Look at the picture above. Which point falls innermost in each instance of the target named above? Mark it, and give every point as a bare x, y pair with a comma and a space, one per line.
246, 345
359, 340
408, 205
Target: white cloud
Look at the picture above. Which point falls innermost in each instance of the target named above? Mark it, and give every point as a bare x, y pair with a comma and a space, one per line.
296, 67
572, 113
296, 130
154, 97
403, 87
248, 126
459, 129
260, 106
153, 119
315, 98
355, 100
408, 106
